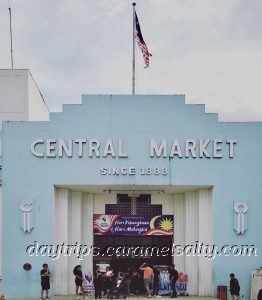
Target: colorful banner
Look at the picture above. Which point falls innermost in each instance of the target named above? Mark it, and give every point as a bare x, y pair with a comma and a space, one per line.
164, 284
116, 225
88, 284
181, 284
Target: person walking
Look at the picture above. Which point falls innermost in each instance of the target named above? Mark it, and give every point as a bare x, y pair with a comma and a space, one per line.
128, 278
135, 281
173, 276
79, 280
156, 281
148, 276
108, 281
45, 281
234, 287
98, 283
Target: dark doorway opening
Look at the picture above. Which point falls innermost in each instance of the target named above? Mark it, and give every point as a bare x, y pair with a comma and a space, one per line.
131, 251
136, 251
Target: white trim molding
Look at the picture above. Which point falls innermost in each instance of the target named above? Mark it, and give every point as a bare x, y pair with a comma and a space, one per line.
27, 216
240, 217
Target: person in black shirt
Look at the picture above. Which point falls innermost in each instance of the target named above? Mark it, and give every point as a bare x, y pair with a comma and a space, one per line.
128, 277
79, 280
173, 276
98, 283
45, 280
259, 295
135, 282
156, 281
234, 287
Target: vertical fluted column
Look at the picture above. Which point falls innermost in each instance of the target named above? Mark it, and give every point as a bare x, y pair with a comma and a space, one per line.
191, 261
179, 230
1, 218
61, 237
74, 235
87, 230
205, 237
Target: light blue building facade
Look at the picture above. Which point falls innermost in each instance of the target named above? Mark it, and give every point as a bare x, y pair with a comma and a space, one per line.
209, 174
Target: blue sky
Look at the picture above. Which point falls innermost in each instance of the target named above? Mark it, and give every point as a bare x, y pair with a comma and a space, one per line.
209, 50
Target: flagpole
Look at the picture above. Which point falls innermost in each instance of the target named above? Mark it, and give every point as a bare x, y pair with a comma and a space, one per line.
11, 39
134, 66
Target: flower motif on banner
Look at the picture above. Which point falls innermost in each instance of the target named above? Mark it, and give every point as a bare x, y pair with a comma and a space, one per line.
103, 223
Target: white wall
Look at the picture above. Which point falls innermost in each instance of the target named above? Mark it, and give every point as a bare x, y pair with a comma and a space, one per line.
20, 98
13, 95
166, 201
37, 109
100, 200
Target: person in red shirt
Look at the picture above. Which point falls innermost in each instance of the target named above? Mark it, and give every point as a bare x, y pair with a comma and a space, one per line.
148, 277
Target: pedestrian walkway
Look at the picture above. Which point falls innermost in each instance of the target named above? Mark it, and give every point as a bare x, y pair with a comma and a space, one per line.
73, 297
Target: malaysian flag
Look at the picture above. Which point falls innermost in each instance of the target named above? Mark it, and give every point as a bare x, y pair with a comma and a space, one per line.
141, 43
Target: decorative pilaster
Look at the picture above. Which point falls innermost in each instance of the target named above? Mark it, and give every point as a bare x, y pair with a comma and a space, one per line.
74, 235
205, 236
61, 236
179, 230
191, 261
87, 230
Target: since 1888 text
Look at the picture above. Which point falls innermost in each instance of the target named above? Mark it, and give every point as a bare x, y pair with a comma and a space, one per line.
133, 171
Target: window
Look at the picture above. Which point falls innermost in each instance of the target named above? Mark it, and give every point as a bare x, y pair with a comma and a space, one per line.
127, 205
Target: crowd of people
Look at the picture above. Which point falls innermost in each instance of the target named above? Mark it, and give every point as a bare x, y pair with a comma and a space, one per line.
128, 283
112, 284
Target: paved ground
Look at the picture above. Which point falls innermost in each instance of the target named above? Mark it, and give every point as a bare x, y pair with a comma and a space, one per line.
73, 297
